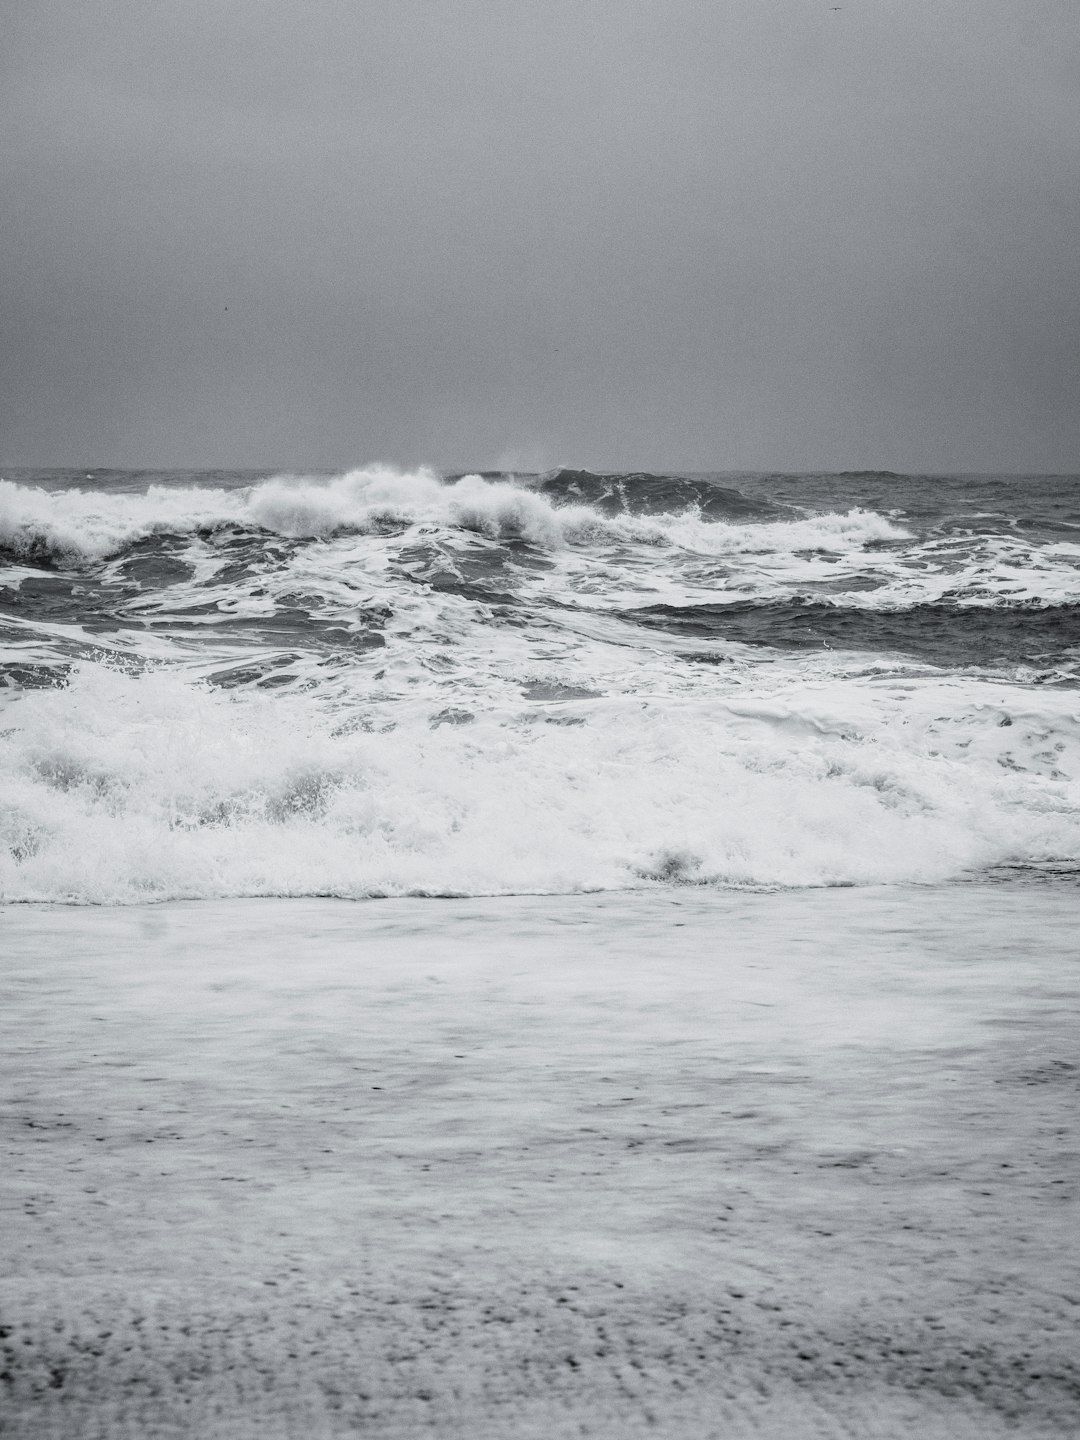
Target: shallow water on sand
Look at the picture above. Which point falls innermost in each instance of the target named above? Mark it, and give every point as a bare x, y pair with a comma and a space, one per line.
744, 1164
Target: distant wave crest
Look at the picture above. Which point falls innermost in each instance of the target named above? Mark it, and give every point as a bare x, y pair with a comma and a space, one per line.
86, 526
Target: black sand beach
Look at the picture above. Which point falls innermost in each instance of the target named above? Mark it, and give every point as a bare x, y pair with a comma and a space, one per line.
691, 1164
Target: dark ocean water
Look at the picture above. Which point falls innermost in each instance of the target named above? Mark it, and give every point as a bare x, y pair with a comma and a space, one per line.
227, 683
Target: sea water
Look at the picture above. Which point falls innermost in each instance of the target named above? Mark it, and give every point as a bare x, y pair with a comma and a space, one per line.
405, 683
709, 1061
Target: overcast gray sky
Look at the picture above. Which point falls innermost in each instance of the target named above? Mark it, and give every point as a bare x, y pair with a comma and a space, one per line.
640, 233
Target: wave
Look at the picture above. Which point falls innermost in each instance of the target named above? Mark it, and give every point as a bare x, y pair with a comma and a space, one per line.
642, 493
950, 634
126, 788
83, 526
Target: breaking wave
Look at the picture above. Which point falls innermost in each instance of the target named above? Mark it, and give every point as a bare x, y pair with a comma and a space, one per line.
390, 682
86, 526
122, 788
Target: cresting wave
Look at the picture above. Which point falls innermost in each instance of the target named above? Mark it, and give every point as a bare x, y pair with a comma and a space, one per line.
123, 788
87, 526
390, 683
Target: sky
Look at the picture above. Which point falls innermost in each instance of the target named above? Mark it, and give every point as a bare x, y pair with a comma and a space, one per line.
655, 234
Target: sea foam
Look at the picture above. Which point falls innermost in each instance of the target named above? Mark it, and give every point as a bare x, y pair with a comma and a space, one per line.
125, 788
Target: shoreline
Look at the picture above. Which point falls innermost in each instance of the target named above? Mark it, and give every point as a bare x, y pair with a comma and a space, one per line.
701, 1164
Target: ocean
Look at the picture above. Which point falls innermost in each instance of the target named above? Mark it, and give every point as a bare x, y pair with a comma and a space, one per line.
543, 955
387, 683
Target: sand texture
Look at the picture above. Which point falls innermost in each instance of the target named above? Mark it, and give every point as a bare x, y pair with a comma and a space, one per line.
681, 1164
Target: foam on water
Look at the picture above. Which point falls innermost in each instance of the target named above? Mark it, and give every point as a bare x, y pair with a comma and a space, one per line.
124, 788
605, 557
388, 683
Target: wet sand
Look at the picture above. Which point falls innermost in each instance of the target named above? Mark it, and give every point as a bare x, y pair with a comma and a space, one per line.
684, 1164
